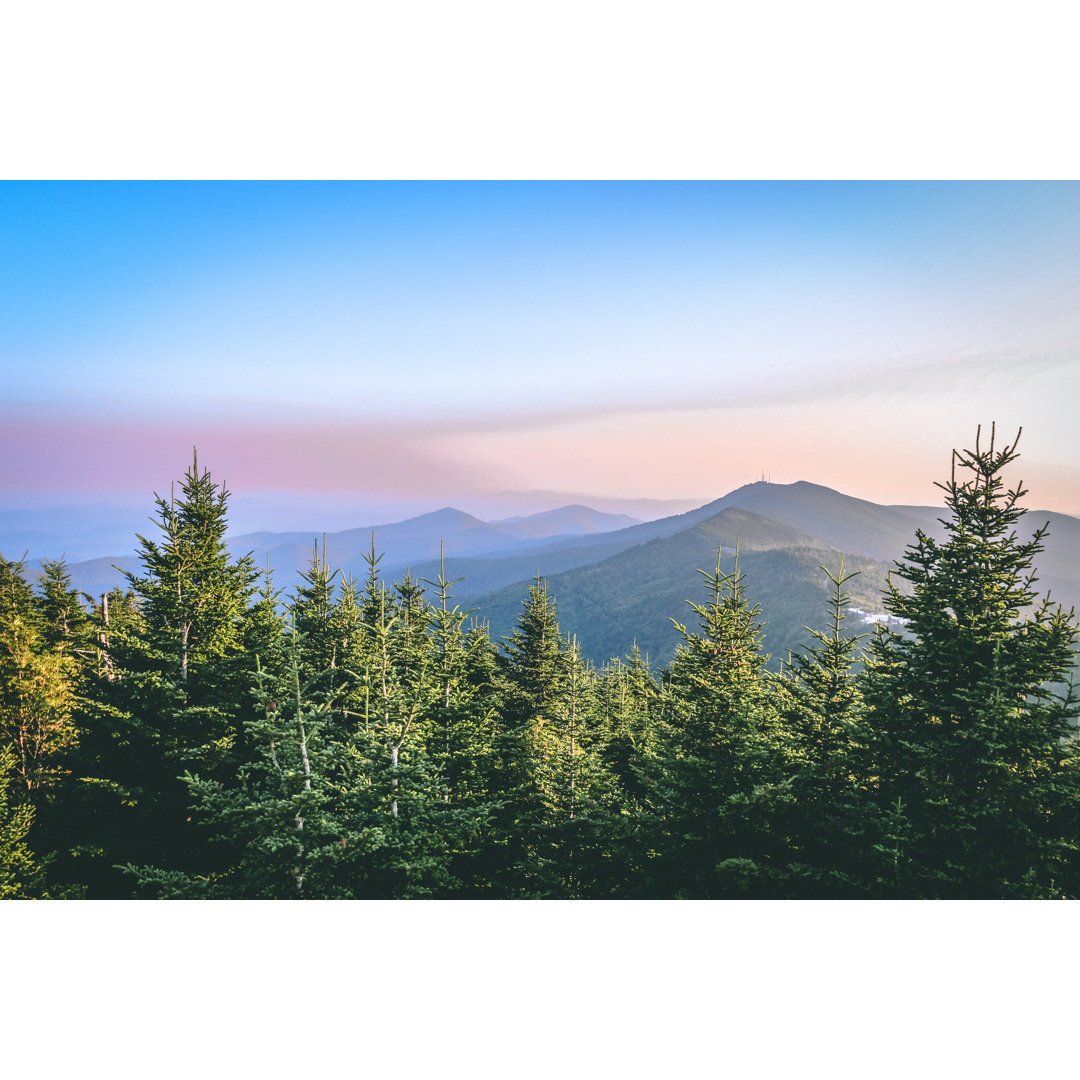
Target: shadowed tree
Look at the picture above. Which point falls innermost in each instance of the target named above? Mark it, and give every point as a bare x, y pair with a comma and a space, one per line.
172, 698
973, 743
721, 766
820, 700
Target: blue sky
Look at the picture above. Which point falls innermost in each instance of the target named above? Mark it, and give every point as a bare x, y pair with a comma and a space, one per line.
438, 341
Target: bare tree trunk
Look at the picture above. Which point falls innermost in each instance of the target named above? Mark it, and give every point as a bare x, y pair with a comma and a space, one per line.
394, 781
298, 873
184, 635
103, 638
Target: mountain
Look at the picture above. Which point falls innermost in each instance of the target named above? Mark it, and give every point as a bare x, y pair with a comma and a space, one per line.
476, 576
76, 533
632, 596
614, 584
566, 521
97, 576
400, 544
423, 539
785, 534
841, 521
489, 553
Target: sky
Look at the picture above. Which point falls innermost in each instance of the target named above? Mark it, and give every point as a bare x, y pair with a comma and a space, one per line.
448, 343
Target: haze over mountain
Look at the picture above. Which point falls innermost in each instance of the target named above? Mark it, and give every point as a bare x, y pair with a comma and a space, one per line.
75, 532
617, 581
566, 521
418, 540
632, 597
426, 538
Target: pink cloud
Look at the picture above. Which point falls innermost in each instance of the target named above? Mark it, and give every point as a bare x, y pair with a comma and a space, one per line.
106, 454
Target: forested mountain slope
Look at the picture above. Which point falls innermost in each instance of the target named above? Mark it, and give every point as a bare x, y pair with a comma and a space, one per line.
632, 596
814, 524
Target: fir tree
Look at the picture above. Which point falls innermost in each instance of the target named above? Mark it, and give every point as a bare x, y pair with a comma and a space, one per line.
973, 745
16, 595
628, 739
193, 595
170, 699
721, 766
465, 668
66, 623
312, 610
316, 813
820, 700
534, 687
292, 815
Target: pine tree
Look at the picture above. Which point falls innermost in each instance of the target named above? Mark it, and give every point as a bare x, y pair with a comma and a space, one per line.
37, 703
628, 739
627, 695
464, 665
561, 795
536, 660
171, 698
317, 812
534, 682
312, 611
66, 622
264, 624
193, 595
720, 666
820, 700
721, 766
973, 745
580, 796
393, 662
293, 815
16, 595
468, 753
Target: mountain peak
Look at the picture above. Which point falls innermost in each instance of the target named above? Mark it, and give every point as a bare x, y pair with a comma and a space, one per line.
445, 514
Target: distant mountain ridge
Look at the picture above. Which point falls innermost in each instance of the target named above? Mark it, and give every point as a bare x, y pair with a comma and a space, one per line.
617, 581
631, 596
448, 532
574, 520
419, 540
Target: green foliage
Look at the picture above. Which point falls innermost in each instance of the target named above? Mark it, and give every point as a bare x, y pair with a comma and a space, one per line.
288, 815
193, 596
313, 815
20, 876
195, 737
66, 623
16, 596
721, 666
37, 701
720, 768
638, 595
170, 694
821, 703
628, 718
971, 741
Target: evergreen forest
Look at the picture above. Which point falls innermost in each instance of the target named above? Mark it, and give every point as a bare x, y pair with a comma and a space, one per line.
202, 733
